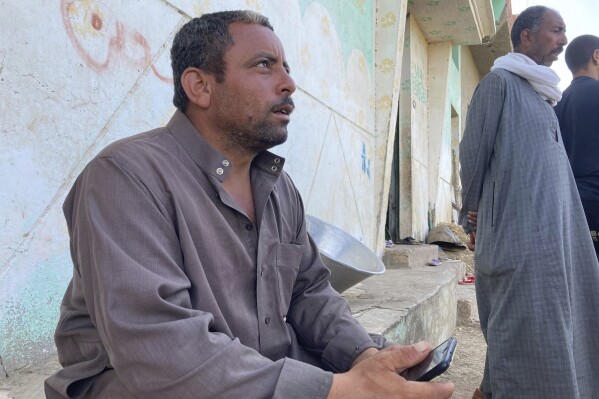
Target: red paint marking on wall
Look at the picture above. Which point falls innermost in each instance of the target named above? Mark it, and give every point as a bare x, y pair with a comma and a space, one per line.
96, 21
141, 40
116, 43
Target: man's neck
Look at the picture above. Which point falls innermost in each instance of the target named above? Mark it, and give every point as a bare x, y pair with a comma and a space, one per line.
590, 74
590, 70
238, 185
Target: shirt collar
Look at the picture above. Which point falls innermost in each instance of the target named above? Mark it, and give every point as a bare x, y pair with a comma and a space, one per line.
210, 160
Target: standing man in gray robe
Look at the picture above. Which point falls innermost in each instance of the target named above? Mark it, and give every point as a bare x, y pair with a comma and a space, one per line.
536, 271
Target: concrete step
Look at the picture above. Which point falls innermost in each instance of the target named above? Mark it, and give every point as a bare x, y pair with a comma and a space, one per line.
456, 267
408, 305
409, 256
28, 382
467, 308
467, 311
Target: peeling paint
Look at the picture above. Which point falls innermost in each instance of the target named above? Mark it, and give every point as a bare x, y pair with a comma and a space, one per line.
31, 305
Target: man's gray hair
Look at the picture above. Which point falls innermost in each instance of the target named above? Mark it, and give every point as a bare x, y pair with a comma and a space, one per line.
203, 42
531, 19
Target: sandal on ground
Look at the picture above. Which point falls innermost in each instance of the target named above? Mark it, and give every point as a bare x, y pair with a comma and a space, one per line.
468, 280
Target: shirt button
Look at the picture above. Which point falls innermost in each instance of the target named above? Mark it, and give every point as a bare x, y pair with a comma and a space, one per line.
225, 163
220, 171
267, 320
274, 168
277, 160
249, 227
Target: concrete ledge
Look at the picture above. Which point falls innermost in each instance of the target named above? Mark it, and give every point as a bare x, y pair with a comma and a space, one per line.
409, 256
467, 307
407, 306
28, 382
456, 267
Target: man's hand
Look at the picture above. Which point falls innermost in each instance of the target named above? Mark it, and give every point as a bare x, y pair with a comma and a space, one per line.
472, 219
377, 377
472, 243
365, 355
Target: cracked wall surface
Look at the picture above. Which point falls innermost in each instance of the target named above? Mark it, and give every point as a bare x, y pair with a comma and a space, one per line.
3, 373
76, 75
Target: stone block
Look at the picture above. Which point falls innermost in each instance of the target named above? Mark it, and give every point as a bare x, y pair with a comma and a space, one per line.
409, 256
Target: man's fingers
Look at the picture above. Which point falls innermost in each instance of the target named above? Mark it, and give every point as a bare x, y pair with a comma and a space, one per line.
472, 218
399, 357
436, 390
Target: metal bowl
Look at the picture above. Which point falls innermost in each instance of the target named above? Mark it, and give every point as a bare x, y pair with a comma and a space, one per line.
348, 259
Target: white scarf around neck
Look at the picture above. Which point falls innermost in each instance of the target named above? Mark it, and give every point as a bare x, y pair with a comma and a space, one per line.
543, 79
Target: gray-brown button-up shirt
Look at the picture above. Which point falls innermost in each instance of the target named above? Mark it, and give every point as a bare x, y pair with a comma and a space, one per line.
177, 294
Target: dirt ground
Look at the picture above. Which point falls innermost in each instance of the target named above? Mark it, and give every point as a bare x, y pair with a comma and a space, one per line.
466, 369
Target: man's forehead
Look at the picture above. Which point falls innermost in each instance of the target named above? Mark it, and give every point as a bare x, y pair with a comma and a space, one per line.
253, 33
252, 41
553, 18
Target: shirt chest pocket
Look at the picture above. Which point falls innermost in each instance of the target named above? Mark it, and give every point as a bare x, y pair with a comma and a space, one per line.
287, 262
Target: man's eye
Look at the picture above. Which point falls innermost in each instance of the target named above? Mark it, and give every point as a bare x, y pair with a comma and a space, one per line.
263, 64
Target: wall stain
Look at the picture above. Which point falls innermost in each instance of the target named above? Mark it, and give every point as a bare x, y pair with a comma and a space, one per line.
365, 161
83, 19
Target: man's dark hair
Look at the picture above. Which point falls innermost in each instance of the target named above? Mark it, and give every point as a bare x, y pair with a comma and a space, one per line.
202, 43
580, 51
531, 19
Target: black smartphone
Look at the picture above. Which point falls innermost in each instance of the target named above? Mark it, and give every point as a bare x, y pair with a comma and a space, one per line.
435, 364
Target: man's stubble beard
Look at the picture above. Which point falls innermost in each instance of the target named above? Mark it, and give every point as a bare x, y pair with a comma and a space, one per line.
258, 138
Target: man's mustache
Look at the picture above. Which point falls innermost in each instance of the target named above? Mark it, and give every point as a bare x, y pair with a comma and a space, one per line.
286, 104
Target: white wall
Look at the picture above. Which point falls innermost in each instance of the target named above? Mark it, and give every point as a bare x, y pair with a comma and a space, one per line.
77, 75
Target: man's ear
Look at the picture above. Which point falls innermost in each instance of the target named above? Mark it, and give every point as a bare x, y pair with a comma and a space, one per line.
198, 86
526, 38
595, 57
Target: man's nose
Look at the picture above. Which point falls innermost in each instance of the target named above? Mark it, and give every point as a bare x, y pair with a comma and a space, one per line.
287, 83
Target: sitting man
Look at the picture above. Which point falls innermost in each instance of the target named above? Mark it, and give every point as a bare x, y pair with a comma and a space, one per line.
194, 276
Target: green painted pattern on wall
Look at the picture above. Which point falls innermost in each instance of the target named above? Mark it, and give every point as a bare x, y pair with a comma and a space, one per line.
419, 85
354, 23
498, 6
32, 316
